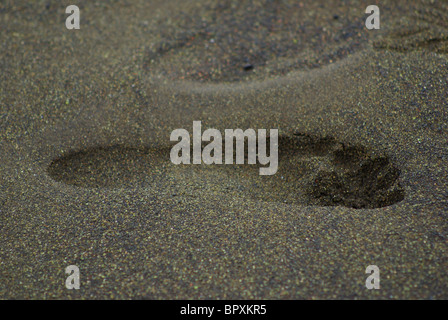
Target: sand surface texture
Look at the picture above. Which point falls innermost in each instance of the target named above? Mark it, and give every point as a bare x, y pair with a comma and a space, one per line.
86, 178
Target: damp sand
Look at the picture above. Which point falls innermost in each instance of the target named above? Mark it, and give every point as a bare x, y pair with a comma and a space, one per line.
85, 122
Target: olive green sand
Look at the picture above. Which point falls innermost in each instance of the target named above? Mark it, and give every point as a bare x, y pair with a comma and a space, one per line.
85, 176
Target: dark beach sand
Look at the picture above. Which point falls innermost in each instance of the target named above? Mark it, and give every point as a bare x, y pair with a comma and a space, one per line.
85, 176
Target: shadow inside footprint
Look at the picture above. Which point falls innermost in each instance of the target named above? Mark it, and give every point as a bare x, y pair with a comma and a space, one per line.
312, 171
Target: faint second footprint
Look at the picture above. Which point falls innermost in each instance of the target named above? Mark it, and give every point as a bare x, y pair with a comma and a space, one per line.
424, 28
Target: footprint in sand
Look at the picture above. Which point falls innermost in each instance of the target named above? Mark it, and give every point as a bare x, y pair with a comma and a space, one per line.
424, 28
312, 171
234, 40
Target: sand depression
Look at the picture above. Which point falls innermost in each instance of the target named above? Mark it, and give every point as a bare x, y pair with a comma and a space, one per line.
312, 171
